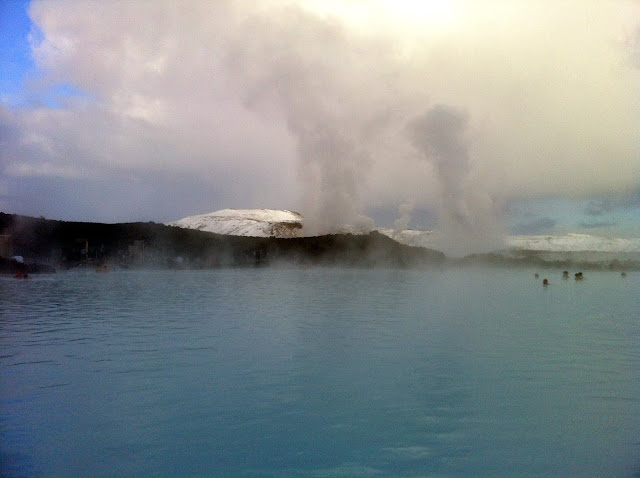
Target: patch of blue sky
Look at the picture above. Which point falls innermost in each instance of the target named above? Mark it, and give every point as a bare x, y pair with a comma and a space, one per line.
17, 66
58, 95
16, 61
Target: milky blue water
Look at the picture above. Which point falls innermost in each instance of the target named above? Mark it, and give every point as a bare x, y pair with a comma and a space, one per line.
320, 372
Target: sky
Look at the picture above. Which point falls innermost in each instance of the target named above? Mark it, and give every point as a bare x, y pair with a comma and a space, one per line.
472, 117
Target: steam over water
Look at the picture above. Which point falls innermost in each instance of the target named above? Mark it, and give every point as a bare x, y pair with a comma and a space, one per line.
320, 372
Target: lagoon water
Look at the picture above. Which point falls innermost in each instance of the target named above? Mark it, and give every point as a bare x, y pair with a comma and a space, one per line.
320, 372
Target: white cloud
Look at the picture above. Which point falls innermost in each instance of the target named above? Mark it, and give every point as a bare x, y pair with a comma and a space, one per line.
306, 105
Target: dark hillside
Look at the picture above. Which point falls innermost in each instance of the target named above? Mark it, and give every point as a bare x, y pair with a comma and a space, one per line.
68, 244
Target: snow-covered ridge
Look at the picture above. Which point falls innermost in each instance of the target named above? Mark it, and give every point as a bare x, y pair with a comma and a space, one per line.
245, 222
282, 223
574, 243
549, 243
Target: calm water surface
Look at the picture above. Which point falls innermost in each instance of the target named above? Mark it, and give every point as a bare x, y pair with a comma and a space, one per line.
320, 372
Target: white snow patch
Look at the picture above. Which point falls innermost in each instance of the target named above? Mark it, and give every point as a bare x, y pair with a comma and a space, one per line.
245, 222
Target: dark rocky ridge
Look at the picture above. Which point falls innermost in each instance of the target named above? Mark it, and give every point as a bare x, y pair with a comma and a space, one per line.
48, 244
64, 244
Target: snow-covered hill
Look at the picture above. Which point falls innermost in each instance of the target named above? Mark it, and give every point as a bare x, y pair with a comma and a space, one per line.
282, 223
574, 243
245, 222
549, 243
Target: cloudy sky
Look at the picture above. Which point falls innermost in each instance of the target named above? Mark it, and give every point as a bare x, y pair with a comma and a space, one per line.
485, 116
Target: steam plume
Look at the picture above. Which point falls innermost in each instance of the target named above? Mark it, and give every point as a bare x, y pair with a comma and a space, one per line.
313, 92
403, 221
467, 215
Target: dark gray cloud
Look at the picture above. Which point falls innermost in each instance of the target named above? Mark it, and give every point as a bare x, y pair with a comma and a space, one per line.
600, 208
598, 225
603, 207
114, 195
537, 226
